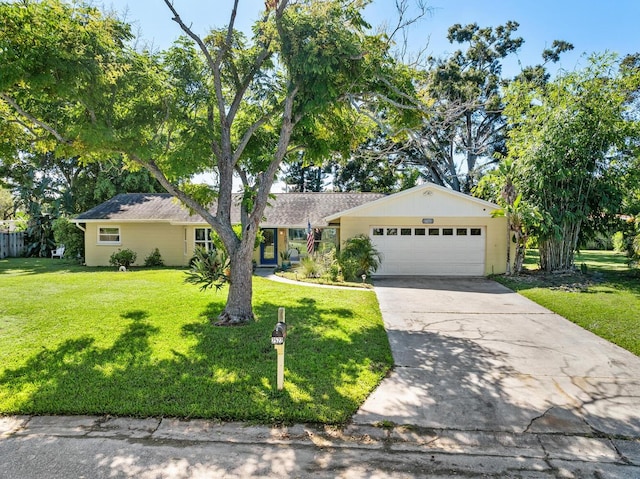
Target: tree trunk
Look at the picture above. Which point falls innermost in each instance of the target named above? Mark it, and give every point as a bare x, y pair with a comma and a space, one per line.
520, 252
238, 310
556, 253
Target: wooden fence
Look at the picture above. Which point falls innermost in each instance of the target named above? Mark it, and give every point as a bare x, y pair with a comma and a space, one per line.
11, 244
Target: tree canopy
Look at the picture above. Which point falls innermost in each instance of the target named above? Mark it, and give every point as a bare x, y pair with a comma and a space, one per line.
573, 140
71, 83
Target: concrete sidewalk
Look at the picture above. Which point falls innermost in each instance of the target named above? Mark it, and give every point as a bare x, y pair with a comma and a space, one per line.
105, 447
485, 384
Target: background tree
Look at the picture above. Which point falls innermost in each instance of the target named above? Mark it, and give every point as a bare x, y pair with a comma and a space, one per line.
7, 204
220, 103
301, 177
499, 186
73, 186
460, 124
463, 121
570, 141
377, 165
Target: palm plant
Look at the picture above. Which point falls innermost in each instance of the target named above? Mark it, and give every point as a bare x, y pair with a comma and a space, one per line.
358, 256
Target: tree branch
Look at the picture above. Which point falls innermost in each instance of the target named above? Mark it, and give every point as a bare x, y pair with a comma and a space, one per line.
34, 120
187, 200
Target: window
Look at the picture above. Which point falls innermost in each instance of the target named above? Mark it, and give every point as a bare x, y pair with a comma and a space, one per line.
434, 231
461, 231
405, 231
203, 238
378, 231
447, 231
476, 232
392, 231
109, 235
324, 239
297, 235
418, 232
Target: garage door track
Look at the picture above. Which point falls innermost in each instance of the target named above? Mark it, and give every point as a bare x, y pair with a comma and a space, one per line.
472, 355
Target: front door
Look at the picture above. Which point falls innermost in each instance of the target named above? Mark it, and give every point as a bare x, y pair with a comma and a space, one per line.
269, 247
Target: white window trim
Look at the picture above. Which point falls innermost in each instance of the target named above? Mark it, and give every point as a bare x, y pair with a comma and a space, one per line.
207, 243
119, 242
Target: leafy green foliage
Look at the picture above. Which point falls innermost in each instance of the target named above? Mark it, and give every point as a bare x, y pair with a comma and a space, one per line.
569, 141
39, 232
7, 204
220, 103
208, 269
309, 267
68, 234
123, 257
358, 256
154, 259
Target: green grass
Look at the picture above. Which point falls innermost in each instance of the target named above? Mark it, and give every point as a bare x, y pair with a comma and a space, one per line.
605, 301
77, 340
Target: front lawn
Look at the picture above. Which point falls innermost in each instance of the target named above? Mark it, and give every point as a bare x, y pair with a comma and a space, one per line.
605, 300
77, 340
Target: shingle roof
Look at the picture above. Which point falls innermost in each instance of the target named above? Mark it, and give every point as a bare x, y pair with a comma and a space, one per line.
286, 210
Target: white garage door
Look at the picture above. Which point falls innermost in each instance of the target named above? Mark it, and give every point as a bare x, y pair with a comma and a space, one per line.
441, 251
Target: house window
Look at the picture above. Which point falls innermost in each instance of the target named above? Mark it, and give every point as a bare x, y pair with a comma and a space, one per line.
392, 231
297, 242
324, 239
476, 232
378, 231
109, 235
461, 232
447, 231
203, 238
405, 231
434, 231
419, 232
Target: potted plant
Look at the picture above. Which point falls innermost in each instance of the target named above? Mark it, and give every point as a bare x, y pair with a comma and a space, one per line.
285, 256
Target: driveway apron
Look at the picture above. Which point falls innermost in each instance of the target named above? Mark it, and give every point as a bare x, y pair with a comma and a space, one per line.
471, 354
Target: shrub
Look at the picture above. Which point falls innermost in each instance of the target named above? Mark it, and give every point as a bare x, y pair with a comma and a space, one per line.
619, 242
68, 234
309, 267
154, 259
124, 257
357, 257
40, 240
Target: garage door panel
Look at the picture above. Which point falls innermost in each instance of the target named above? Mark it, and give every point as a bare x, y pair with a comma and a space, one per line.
460, 253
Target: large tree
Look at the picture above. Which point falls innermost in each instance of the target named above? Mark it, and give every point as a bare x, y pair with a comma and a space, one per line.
572, 141
221, 103
461, 127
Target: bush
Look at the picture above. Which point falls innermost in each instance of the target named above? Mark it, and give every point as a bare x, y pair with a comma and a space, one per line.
309, 267
40, 240
154, 259
68, 234
124, 257
619, 243
357, 257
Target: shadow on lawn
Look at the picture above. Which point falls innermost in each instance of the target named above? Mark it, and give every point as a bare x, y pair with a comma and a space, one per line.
29, 266
227, 374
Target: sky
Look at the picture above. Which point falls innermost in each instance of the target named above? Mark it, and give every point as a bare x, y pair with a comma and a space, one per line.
590, 25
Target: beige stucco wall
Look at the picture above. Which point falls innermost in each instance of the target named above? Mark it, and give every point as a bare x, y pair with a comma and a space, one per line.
142, 238
496, 233
175, 242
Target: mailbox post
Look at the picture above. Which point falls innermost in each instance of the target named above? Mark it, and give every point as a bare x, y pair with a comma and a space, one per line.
278, 337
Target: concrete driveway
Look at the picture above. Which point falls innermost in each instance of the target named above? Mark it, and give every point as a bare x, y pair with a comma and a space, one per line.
472, 355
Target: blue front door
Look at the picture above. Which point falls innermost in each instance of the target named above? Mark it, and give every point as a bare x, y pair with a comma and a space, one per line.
269, 247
